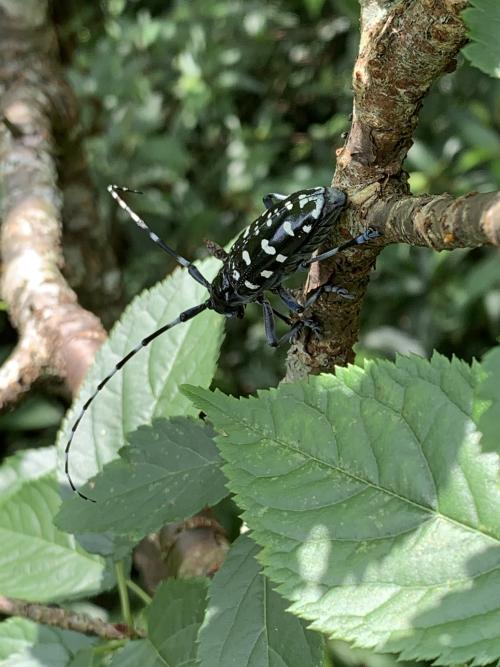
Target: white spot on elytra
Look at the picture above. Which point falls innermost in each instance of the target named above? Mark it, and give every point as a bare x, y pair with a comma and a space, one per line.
246, 232
289, 205
307, 228
236, 275
266, 274
318, 205
268, 249
281, 258
288, 228
303, 200
269, 222
246, 257
250, 285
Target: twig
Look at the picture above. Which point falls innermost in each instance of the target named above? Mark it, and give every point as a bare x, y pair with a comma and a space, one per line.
65, 619
121, 581
441, 222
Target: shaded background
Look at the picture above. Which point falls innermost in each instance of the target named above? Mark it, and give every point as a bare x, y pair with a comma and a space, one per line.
208, 105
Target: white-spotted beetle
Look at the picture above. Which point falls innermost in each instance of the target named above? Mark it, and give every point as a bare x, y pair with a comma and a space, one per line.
279, 242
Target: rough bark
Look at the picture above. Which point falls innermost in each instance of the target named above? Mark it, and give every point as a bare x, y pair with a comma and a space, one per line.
405, 47
57, 337
65, 619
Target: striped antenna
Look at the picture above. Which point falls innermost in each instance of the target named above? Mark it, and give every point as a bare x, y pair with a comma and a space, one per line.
114, 191
183, 317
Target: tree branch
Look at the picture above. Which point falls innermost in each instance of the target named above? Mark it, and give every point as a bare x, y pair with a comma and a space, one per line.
59, 336
65, 619
405, 47
441, 222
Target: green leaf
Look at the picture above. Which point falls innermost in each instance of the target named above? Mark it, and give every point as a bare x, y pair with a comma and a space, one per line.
343, 653
314, 7
34, 413
483, 21
29, 464
247, 624
174, 618
24, 643
86, 658
148, 385
140, 652
376, 509
38, 562
169, 472
490, 391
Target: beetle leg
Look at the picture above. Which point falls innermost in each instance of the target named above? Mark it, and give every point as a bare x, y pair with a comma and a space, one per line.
367, 235
269, 323
289, 300
327, 287
295, 328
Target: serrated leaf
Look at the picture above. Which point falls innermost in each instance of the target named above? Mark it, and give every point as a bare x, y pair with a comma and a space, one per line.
483, 21
247, 624
147, 387
24, 643
489, 390
38, 562
169, 472
375, 507
174, 618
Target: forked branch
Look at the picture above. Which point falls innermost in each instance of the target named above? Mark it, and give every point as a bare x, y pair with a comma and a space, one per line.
404, 48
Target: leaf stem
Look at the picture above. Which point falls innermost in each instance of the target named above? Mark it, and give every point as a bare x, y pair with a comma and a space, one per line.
110, 646
122, 592
139, 591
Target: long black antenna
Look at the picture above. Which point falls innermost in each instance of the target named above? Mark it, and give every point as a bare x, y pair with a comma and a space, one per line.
192, 270
183, 317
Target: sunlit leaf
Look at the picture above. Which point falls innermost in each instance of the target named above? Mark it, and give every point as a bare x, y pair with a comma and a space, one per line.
247, 624
148, 386
376, 509
169, 472
24, 643
37, 561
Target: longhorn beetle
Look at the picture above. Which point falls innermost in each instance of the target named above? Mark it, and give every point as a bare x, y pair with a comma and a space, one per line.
276, 244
